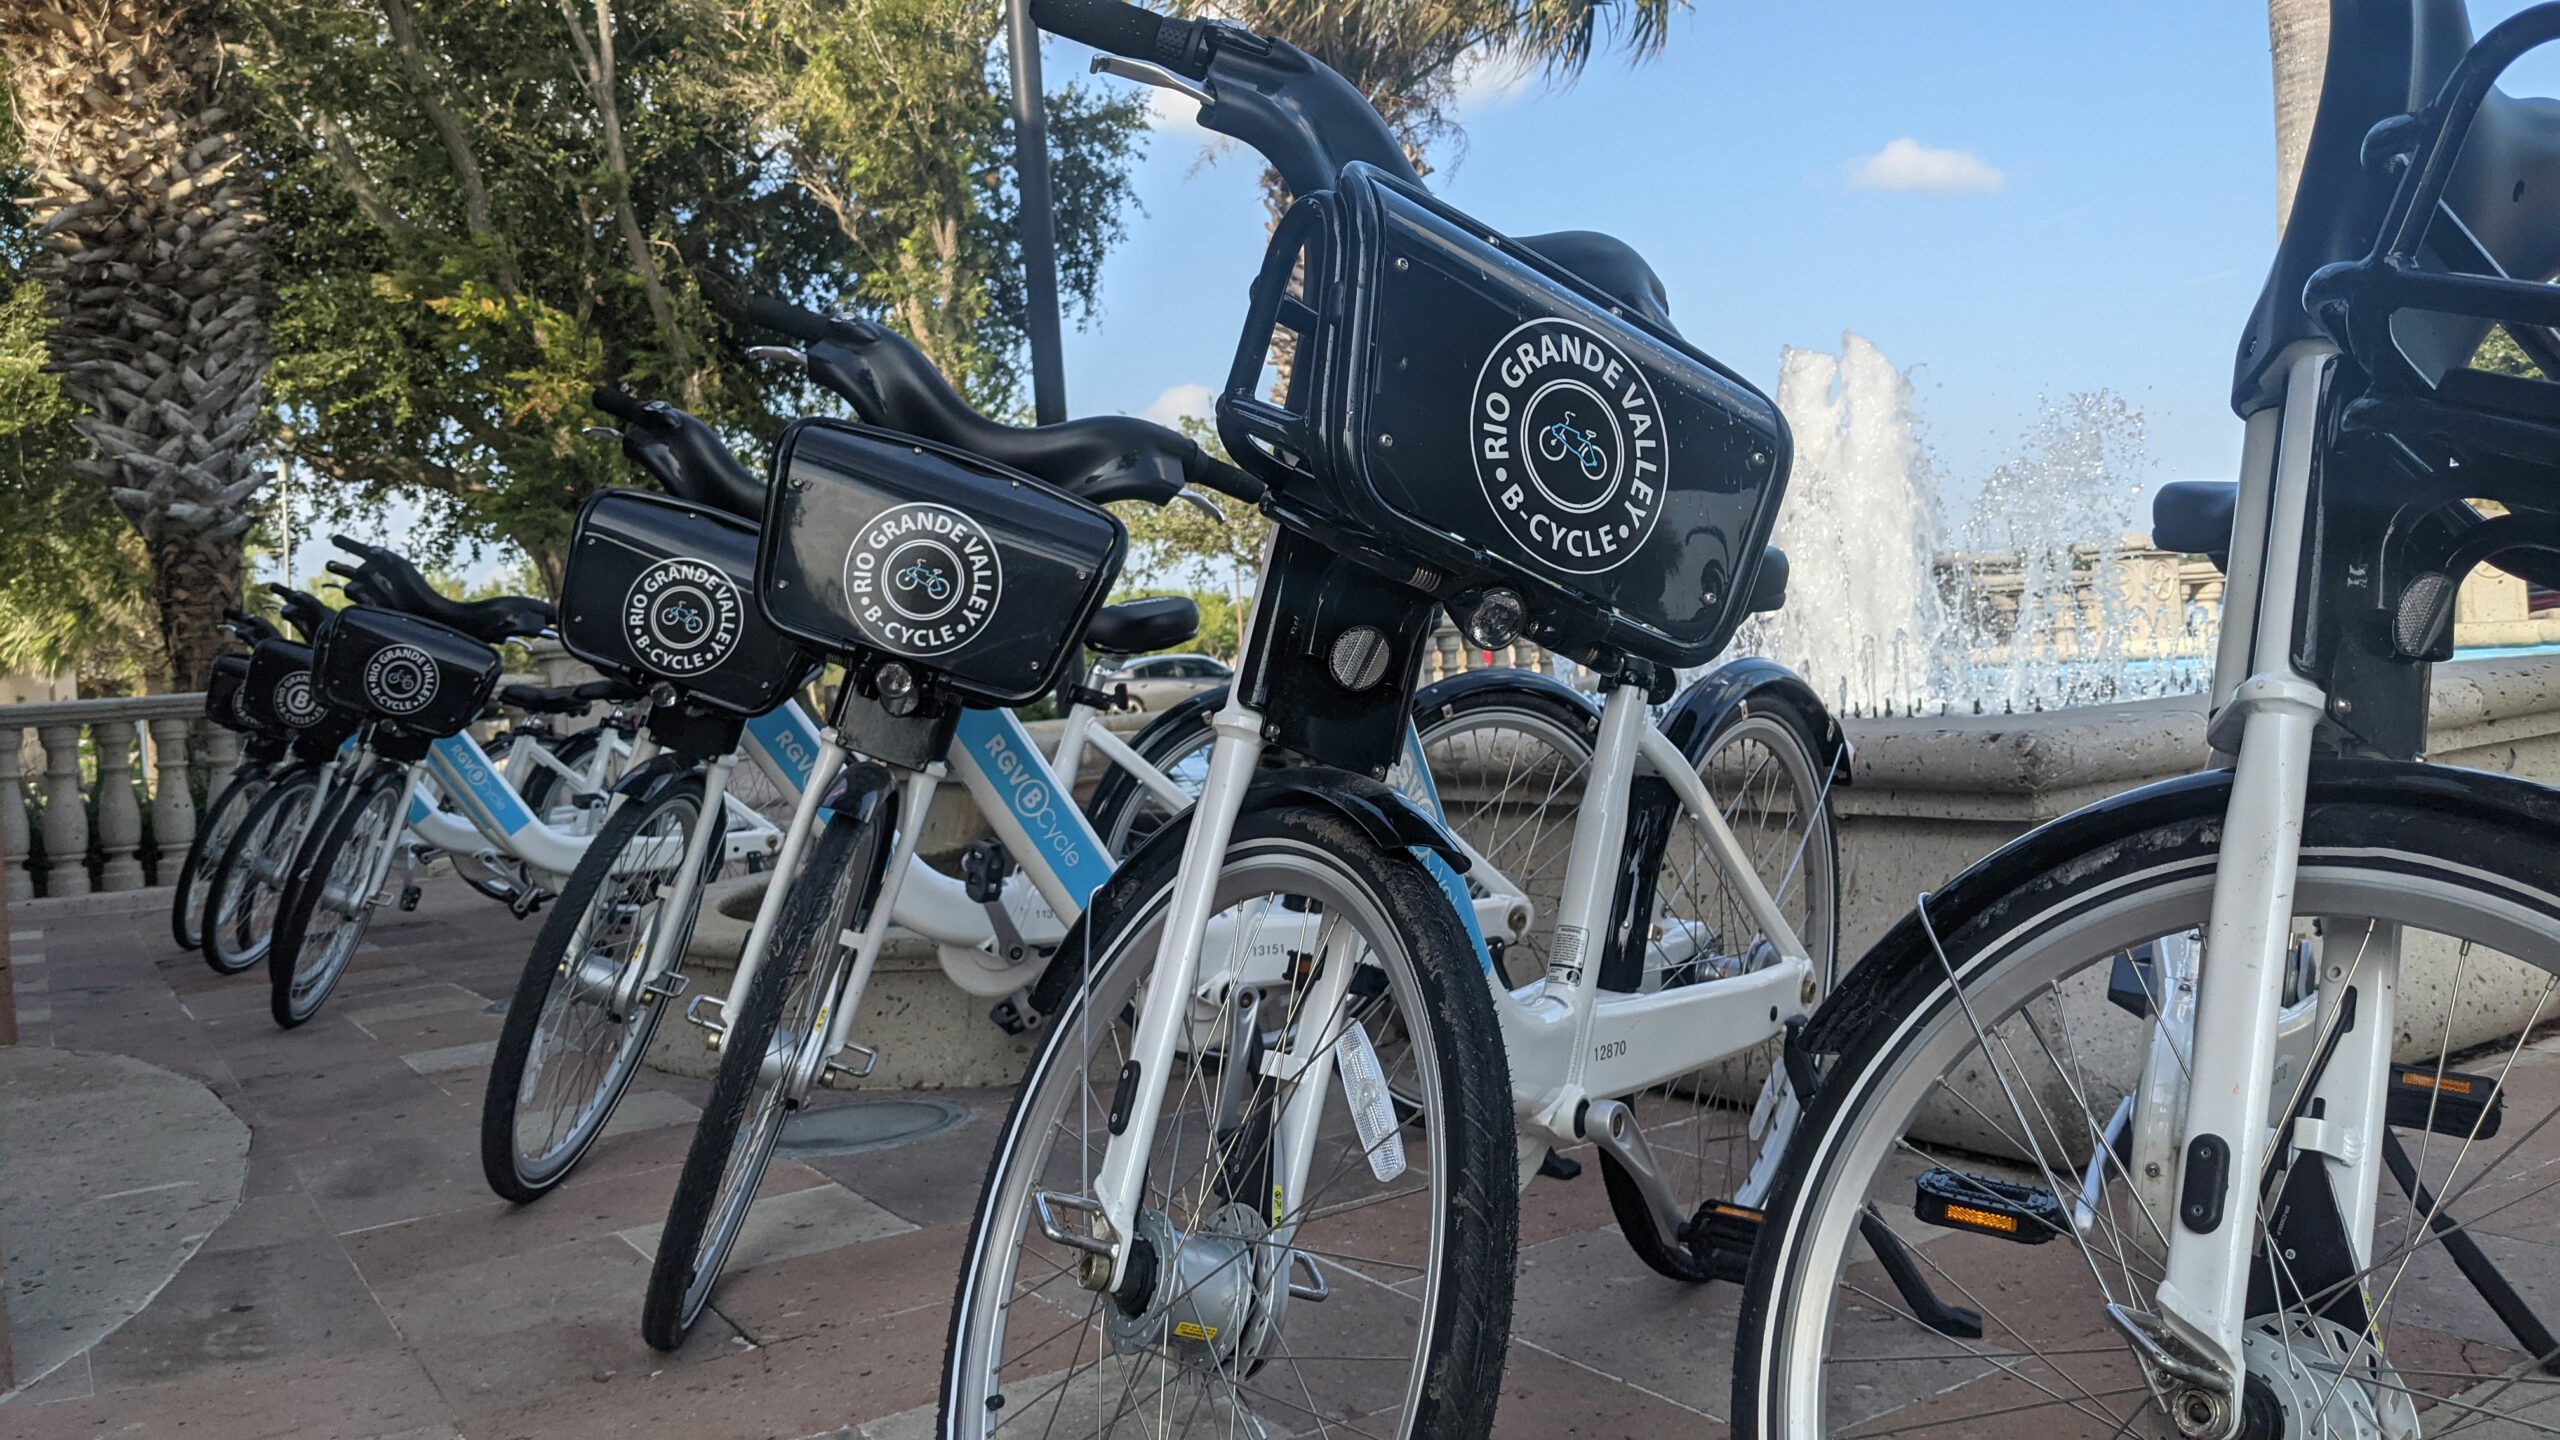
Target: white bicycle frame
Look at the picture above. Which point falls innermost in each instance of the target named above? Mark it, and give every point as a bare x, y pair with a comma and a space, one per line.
1572, 1048
1028, 802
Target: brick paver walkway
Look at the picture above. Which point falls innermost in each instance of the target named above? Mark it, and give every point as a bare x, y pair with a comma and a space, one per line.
368, 1285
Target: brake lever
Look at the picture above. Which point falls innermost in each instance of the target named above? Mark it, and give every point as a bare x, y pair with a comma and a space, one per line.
600, 432
1207, 506
1156, 75
785, 353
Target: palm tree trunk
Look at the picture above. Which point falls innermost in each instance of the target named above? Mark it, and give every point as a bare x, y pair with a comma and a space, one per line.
2298, 40
148, 214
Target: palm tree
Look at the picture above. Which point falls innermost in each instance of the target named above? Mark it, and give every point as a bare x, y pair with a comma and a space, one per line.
1408, 56
147, 212
2298, 39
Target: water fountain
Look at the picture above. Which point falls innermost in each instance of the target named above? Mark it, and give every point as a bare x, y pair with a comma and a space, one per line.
2027, 602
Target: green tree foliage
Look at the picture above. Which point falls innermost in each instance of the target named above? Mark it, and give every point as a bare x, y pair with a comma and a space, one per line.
486, 209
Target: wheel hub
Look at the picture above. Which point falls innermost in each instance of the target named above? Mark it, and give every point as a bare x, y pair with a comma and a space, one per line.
2298, 1360
1214, 1303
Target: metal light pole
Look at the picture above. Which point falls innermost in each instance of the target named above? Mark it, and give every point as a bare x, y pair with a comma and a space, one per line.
1036, 223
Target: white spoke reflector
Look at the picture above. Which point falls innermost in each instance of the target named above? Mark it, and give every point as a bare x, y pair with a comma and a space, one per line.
1373, 1107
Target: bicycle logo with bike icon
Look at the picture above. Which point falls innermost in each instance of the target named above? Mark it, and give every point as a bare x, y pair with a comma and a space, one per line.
1568, 445
922, 579
682, 616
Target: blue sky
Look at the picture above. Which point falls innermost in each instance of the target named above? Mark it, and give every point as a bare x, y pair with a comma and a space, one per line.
2095, 206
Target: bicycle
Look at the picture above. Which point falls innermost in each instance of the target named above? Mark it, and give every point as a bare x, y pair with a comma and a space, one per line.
265, 748
413, 684
2169, 1065
998, 924
1162, 1152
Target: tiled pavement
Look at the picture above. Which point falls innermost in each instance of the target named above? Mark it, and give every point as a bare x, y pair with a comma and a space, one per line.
369, 1285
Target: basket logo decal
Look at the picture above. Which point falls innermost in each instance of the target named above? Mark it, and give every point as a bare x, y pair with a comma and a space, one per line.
1568, 446
922, 579
401, 679
297, 704
682, 617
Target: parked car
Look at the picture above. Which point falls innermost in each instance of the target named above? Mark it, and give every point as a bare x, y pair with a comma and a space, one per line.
1156, 681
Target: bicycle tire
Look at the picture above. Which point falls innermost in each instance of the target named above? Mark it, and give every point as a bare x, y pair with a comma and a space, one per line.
214, 829
727, 1161
548, 968
2471, 861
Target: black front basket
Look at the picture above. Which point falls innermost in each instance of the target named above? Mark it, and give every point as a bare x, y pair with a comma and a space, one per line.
415, 675
662, 589
879, 543
1476, 416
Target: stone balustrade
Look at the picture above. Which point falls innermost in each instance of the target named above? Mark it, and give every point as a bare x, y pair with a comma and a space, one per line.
124, 759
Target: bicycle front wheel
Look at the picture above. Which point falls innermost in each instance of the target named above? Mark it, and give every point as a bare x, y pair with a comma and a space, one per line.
221, 821
768, 1062
247, 888
1371, 1299
1996, 1124
331, 901
579, 1023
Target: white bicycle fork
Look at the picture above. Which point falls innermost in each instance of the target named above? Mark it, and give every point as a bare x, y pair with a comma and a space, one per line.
2268, 723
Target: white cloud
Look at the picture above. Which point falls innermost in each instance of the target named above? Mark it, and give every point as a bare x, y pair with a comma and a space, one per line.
1906, 164
1179, 402
1487, 81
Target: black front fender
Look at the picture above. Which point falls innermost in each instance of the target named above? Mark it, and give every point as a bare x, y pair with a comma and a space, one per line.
1376, 809
1748, 685
1878, 983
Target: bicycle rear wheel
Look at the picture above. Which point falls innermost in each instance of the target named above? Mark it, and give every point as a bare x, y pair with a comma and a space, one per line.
1376, 1300
1705, 1127
1997, 1084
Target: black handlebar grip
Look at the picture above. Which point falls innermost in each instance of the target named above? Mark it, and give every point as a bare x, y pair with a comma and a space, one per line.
621, 404
786, 317
1211, 473
343, 570
1130, 30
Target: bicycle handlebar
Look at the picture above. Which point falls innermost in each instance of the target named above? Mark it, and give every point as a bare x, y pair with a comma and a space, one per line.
622, 405
1129, 30
789, 319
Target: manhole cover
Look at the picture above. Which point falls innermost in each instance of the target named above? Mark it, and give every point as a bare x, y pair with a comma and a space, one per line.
868, 1125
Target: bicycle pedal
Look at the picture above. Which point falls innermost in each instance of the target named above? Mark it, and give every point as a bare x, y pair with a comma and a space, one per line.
982, 869
835, 1074
2447, 1104
410, 895
2001, 1209
1721, 1237
1556, 1167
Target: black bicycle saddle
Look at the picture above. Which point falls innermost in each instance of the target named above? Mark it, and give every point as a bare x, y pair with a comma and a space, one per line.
1611, 266
390, 581
688, 457
891, 384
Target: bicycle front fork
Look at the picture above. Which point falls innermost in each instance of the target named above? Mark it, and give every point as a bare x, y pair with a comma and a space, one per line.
2238, 1120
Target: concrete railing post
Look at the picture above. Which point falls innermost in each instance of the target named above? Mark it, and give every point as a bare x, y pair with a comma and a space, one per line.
119, 814
173, 801
15, 882
66, 815
219, 749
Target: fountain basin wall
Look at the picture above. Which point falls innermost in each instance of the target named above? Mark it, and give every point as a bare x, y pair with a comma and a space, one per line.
1930, 796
